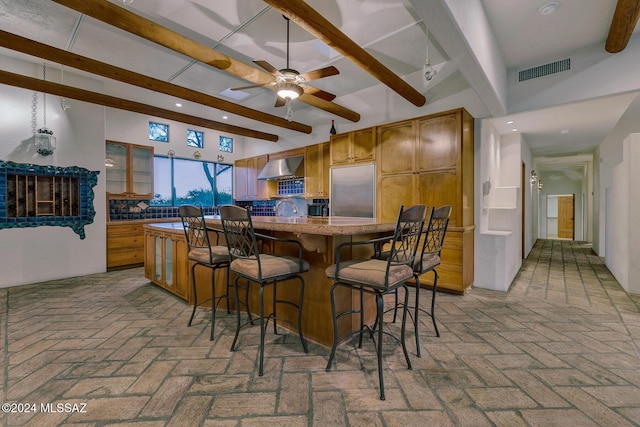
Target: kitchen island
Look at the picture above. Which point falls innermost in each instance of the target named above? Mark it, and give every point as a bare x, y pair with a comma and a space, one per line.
166, 264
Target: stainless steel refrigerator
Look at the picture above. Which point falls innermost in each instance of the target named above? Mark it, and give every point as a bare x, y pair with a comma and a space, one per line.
353, 191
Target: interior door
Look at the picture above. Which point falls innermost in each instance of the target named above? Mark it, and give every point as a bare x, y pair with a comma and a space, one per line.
566, 209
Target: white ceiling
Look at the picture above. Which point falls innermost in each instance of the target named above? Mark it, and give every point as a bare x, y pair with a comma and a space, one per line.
390, 30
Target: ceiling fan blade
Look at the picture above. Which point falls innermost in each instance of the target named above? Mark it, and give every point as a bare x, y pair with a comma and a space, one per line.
270, 68
280, 102
320, 73
246, 87
310, 90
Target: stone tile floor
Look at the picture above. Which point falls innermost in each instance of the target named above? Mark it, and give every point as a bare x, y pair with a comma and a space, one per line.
559, 349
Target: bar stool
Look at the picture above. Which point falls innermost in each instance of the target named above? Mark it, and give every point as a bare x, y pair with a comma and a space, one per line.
378, 277
202, 253
428, 261
263, 269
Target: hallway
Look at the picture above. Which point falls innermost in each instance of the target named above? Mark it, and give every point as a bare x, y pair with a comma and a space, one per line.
559, 349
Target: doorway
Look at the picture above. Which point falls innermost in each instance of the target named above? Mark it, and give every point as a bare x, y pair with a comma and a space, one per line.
560, 216
566, 214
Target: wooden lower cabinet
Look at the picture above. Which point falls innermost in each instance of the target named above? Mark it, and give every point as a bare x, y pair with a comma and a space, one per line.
166, 264
162, 262
125, 246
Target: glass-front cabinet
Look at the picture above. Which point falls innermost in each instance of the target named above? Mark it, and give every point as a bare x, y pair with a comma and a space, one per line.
129, 170
164, 260
162, 264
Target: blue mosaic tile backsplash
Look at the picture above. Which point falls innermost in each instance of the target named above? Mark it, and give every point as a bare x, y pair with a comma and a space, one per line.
260, 207
125, 210
291, 186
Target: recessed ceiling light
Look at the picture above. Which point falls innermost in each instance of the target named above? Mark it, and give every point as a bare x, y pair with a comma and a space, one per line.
514, 130
178, 104
564, 131
225, 117
510, 122
548, 8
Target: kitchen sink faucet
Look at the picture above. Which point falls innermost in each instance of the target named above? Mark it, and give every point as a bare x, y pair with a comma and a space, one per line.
280, 202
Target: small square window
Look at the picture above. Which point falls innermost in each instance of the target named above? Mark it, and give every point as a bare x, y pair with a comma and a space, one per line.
226, 144
195, 138
158, 132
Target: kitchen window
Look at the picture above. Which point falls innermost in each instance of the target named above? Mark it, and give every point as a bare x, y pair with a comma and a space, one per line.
185, 181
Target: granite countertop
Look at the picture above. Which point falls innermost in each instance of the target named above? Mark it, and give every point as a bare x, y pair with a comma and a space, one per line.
328, 226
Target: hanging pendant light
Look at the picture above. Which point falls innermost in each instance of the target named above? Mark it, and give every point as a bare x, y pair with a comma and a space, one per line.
44, 140
428, 71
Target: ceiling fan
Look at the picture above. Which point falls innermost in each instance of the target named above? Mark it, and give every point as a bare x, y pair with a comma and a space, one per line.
289, 83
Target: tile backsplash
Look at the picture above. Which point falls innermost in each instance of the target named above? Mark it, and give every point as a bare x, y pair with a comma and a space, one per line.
126, 210
260, 207
291, 186
123, 210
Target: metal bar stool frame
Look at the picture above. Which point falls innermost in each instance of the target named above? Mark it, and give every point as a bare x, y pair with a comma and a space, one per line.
389, 274
247, 262
427, 260
202, 253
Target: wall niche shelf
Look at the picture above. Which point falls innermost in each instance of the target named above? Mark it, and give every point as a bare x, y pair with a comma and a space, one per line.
35, 196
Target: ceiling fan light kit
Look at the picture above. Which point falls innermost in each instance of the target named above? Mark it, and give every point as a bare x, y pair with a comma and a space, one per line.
289, 90
289, 84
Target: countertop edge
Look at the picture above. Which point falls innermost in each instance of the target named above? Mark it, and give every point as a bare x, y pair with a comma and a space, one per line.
347, 228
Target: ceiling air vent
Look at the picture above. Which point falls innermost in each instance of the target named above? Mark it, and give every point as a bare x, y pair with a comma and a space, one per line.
544, 70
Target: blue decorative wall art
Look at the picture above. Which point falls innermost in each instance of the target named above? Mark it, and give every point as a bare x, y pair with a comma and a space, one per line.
35, 196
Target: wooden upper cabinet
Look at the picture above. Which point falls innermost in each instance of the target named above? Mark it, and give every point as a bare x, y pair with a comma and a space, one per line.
247, 186
397, 145
262, 187
129, 171
241, 179
358, 146
433, 157
435, 147
316, 170
340, 148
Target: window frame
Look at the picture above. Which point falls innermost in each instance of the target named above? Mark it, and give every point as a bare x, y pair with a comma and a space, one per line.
216, 165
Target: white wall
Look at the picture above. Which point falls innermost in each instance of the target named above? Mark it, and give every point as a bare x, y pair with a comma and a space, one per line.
593, 64
29, 255
125, 126
498, 159
531, 202
623, 235
609, 155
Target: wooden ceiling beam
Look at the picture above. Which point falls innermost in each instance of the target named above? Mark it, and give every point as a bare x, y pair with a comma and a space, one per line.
40, 50
31, 83
119, 17
623, 23
320, 27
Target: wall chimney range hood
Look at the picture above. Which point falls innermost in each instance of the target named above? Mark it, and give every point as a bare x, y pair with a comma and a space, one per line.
280, 168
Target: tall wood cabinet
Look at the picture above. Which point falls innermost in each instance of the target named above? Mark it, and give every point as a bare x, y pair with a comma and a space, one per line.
429, 160
316, 171
358, 146
247, 186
